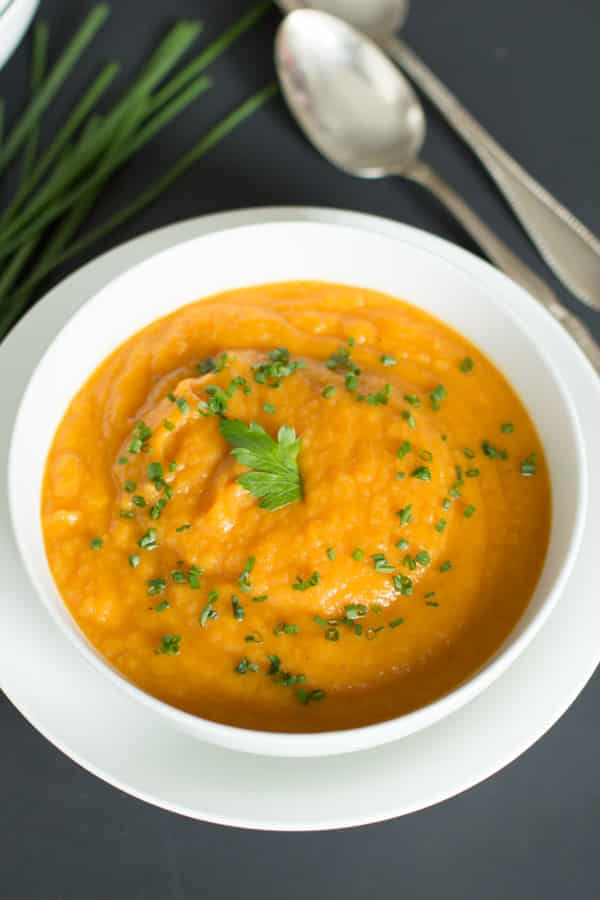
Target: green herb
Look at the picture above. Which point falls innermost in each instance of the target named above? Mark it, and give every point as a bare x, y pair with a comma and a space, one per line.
430, 594
134, 560
277, 368
379, 398
409, 563
351, 341
330, 553
402, 544
493, 452
155, 472
156, 586
528, 466
205, 366
355, 611
445, 566
437, 395
472, 473
342, 361
139, 438
275, 665
183, 528
395, 622
245, 665
351, 382
470, 454
423, 473
403, 449
431, 603
126, 514
507, 427
209, 611
332, 634
130, 486
469, 510
194, 576
386, 360
183, 405
423, 558
466, 364
358, 554
260, 599
408, 416
405, 514
157, 509
320, 621
168, 425
300, 585
254, 638
329, 390
138, 500
268, 408
440, 525
403, 584
169, 644
244, 579
172, 467
275, 477
284, 628
412, 400
400, 475
381, 563
122, 460
237, 608
96, 543
371, 633
446, 504
160, 607
178, 576
305, 697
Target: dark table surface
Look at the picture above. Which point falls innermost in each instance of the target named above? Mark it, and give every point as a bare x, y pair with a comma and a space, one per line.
529, 70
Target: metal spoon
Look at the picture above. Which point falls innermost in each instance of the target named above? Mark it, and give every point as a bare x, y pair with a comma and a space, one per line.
362, 114
566, 244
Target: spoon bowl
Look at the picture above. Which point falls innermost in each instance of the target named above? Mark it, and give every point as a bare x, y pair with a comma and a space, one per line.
351, 101
377, 19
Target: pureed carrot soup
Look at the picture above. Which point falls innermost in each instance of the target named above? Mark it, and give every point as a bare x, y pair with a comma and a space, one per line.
296, 507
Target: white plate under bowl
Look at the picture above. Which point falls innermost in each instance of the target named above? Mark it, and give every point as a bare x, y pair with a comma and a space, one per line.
127, 744
258, 254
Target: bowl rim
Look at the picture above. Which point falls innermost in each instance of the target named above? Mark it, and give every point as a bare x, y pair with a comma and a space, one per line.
334, 741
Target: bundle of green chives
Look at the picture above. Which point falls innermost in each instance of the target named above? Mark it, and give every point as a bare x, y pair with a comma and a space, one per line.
55, 191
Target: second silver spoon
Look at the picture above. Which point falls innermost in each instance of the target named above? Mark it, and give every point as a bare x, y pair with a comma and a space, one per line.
362, 114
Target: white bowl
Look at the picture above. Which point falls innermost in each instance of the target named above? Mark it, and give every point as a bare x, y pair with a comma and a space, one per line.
295, 251
15, 16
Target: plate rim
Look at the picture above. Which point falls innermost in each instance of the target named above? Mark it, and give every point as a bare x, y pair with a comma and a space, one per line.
224, 221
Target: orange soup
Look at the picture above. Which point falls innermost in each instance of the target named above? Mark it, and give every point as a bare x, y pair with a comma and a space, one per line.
296, 507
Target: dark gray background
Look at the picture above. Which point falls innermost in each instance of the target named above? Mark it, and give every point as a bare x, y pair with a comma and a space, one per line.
529, 70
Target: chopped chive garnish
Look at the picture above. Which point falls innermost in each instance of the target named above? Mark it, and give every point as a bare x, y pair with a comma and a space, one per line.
403, 584
507, 427
130, 486
155, 472
160, 607
139, 438
320, 621
493, 452
351, 382
122, 460
355, 611
254, 638
529, 466
126, 514
305, 697
446, 503
156, 586
405, 514
237, 608
412, 400
409, 563
437, 395
157, 509
285, 628
429, 594
445, 566
330, 553
275, 664
244, 578
351, 341
269, 408
387, 360
466, 364
402, 544
440, 525
470, 454
332, 634
245, 665
260, 599
469, 510
178, 576
172, 466
168, 425
423, 473
171, 396
400, 475
408, 416
169, 644
426, 455
134, 560
209, 611
381, 563
185, 527
423, 558
403, 449
182, 404
138, 500
304, 585
96, 543
472, 473
358, 554
371, 633
395, 622
431, 603
329, 391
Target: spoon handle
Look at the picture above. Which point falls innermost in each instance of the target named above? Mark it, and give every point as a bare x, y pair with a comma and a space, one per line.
566, 244
505, 259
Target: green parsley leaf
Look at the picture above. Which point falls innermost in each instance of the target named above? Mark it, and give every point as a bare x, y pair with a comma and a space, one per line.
275, 477
96, 543
169, 644
466, 364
